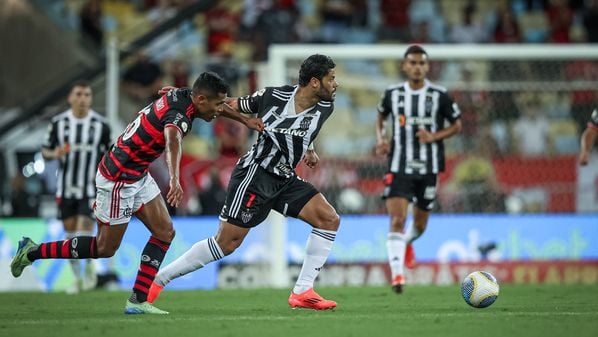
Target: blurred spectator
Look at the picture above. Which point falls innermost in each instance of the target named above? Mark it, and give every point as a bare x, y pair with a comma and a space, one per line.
336, 19
180, 73
24, 204
473, 104
212, 194
473, 186
277, 24
424, 14
468, 31
395, 21
143, 79
91, 22
506, 29
222, 27
532, 131
560, 18
582, 101
590, 20
232, 137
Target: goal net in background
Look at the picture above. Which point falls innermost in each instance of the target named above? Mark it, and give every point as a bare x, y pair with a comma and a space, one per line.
523, 109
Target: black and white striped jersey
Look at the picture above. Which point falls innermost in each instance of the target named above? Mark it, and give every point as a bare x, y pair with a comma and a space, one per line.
88, 139
429, 108
287, 134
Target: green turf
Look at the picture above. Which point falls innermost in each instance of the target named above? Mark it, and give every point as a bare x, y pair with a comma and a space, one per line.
422, 311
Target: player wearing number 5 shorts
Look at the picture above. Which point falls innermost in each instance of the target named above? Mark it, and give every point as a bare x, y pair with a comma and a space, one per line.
418, 110
124, 186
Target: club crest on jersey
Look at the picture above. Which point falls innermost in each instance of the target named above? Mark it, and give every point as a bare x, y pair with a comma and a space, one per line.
305, 123
246, 216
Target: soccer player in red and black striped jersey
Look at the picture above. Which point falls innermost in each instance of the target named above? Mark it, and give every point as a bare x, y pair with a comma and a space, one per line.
124, 186
418, 110
588, 138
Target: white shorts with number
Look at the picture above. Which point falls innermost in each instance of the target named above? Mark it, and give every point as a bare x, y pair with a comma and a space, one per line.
116, 201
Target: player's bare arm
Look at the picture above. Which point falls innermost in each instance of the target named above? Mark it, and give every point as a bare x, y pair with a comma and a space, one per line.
231, 110
588, 137
382, 144
426, 136
173, 138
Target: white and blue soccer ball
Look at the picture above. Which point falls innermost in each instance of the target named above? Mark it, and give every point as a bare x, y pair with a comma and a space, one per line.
479, 289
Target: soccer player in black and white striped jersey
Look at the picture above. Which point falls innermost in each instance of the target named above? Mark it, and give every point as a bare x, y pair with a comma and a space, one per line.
418, 111
265, 179
78, 138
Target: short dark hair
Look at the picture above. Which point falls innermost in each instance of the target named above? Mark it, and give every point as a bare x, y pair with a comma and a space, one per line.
415, 49
210, 84
80, 83
316, 66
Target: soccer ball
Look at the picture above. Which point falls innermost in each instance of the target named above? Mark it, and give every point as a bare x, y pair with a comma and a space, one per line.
479, 289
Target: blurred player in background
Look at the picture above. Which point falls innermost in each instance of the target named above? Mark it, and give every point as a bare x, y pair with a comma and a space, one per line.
418, 110
265, 179
124, 186
588, 138
78, 138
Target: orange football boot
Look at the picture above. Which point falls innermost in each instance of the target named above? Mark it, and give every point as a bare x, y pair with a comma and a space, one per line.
310, 300
397, 284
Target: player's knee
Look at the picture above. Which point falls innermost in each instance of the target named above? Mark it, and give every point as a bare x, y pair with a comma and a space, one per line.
329, 220
165, 234
397, 222
229, 246
106, 249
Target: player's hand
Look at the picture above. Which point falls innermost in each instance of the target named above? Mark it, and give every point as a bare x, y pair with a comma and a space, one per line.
311, 159
61, 151
382, 147
584, 158
175, 193
165, 90
425, 136
256, 124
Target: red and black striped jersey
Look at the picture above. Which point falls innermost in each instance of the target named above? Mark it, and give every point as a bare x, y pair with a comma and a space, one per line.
143, 139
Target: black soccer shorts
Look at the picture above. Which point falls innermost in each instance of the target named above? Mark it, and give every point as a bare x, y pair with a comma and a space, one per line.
72, 207
420, 189
253, 192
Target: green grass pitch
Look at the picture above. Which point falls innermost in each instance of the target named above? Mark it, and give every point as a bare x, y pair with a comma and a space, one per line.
422, 311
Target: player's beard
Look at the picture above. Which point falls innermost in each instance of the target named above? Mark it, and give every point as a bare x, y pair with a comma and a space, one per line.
325, 95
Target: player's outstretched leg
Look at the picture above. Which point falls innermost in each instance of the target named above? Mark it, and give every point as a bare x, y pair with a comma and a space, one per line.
20, 260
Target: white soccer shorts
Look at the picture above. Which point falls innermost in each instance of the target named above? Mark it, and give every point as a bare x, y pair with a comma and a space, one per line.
117, 201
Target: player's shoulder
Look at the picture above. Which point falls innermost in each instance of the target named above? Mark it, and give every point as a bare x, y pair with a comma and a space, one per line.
395, 86
63, 115
97, 116
436, 87
284, 92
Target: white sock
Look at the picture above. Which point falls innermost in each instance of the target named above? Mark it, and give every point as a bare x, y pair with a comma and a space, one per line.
412, 233
318, 247
395, 245
200, 254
